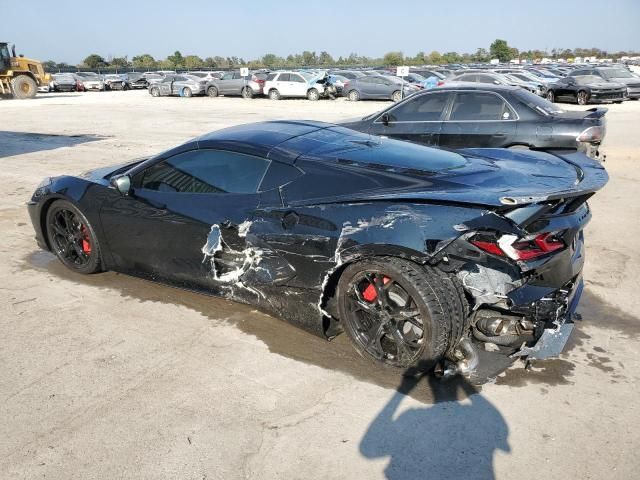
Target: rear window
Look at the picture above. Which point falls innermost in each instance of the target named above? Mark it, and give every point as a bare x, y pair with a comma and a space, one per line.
474, 106
536, 102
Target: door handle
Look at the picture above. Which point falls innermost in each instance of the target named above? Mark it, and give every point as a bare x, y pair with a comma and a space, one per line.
500, 135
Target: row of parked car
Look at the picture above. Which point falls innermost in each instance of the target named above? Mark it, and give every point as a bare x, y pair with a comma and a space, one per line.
578, 84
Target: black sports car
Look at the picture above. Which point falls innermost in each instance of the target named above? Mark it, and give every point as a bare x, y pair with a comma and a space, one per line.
421, 255
586, 89
483, 115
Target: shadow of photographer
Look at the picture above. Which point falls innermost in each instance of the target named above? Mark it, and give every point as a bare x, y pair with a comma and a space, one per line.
455, 438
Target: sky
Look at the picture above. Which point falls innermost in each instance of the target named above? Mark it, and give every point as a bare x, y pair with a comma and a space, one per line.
69, 30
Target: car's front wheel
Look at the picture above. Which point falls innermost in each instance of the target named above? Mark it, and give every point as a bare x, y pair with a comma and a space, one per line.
396, 312
583, 97
155, 92
396, 96
212, 92
71, 238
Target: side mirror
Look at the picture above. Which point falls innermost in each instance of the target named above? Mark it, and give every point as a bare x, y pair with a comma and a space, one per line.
385, 119
122, 183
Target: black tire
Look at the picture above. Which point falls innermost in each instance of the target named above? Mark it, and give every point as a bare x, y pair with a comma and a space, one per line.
23, 87
438, 303
353, 95
313, 95
125, 87
154, 91
186, 92
274, 94
551, 96
582, 97
212, 92
72, 238
396, 96
247, 92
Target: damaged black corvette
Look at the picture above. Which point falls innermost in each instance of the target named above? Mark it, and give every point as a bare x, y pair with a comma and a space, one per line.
422, 256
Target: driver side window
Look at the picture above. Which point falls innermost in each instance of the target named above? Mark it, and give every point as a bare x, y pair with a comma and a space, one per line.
205, 171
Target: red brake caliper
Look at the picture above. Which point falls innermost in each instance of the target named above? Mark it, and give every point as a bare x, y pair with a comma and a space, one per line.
86, 244
370, 294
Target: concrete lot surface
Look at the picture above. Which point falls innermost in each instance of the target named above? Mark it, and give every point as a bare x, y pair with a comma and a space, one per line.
111, 377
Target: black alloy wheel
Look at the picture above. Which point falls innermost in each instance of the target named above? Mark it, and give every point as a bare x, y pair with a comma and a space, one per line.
71, 238
391, 312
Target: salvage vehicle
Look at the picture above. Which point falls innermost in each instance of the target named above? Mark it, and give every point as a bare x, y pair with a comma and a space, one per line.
117, 82
232, 83
63, 82
420, 255
482, 115
91, 81
586, 89
294, 84
614, 74
377, 87
496, 79
180, 85
137, 80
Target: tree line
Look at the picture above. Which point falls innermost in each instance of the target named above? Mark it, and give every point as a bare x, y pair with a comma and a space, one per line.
499, 49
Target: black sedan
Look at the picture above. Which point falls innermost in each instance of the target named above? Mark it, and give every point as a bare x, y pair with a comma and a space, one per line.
586, 89
420, 255
479, 115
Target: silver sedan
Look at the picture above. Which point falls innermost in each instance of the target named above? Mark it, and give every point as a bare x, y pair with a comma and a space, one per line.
180, 85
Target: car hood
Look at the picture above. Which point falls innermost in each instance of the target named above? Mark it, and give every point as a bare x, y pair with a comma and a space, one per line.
102, 174
606, 85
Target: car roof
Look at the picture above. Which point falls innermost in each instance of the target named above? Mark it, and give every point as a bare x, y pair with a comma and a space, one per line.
475, 86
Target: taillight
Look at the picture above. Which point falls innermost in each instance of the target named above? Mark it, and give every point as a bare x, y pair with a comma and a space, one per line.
346, 84
527, 248
440, 83
591, 135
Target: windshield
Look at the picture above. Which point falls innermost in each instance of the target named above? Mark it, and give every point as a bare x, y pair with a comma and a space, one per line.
616, 73
537, 103
587, 79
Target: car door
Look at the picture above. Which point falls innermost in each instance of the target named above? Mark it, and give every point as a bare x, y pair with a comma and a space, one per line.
224, 83
565, 88
180, 207
366, 87
478, 119
297, 85
282, 84
165, 86
417, 119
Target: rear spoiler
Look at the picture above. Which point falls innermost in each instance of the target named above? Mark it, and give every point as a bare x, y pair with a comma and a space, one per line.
596, 112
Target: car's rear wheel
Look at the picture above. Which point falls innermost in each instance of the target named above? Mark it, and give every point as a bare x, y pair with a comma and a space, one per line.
313, 94
583, 97
396, 96
395, 312
354, 96
247, 92
212, 91
125, 86
155, 92
186, 92
274, 94
551, 96
72, 238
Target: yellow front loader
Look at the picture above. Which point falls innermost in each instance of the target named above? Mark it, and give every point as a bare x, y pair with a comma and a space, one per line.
20, 77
